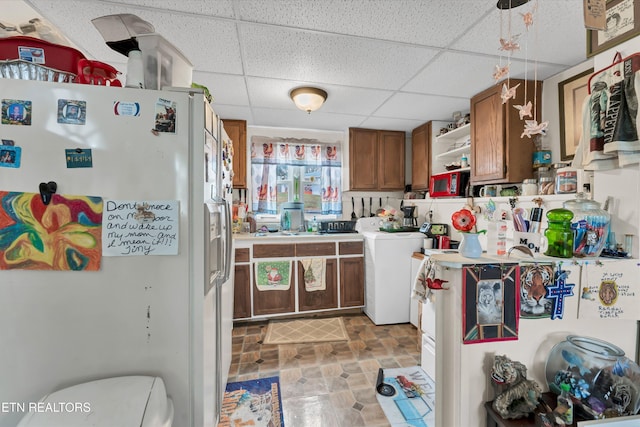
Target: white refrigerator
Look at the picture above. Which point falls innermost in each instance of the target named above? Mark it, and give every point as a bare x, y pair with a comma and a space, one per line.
157, 166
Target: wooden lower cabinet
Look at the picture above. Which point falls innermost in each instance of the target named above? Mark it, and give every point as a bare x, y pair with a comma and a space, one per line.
242, 291
351, 282
344, 279
319, 300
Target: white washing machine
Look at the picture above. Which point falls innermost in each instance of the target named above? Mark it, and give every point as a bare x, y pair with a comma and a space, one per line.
387, 264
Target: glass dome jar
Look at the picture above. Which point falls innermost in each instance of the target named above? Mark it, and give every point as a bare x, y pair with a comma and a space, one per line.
601, 378
590, 226
559, 234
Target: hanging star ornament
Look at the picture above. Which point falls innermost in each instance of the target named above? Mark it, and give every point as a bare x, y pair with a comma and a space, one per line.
524, 110
500, 72
508, 93
532, 127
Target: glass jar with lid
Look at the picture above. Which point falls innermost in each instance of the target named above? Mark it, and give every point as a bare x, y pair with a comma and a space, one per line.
559, 234
529, 187
590, 225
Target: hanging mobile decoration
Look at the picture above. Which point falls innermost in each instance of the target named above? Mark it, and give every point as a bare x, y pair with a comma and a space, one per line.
531, 127
508, 44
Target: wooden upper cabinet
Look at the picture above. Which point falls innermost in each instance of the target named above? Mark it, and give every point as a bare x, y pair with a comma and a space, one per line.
498, 152
391, 160
363, 159
376, 159
237, 131
420, 157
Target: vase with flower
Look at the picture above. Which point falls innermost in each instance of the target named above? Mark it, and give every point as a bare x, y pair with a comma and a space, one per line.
465, 222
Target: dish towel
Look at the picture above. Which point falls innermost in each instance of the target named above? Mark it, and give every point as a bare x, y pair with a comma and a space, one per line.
427, 270
273, 275
314, 274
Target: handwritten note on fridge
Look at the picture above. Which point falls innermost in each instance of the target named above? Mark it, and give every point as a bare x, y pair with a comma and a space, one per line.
140, 227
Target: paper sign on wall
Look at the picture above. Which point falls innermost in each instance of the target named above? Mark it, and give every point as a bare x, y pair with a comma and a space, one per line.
140, 227
610, 290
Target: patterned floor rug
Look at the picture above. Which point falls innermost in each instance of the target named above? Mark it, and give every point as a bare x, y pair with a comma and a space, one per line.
411, 400
306, 331
256, 403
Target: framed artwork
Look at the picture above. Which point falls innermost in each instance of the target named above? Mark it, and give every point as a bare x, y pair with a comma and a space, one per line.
623, 23
535, 279
490, 303
571, 95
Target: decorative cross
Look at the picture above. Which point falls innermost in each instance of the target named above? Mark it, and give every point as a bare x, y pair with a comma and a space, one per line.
558, 291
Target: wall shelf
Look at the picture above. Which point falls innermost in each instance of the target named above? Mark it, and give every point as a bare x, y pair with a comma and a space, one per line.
442, 152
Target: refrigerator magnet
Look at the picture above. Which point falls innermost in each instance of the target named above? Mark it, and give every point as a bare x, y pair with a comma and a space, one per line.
16, 112
79, 158
10, 156
165, 116
72, 112
126, 108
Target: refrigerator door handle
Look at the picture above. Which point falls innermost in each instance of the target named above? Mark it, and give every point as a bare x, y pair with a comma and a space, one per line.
228, 242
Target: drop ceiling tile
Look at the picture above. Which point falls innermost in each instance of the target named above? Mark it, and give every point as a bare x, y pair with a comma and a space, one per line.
274, 93
207, 43
233, 112
451, 75
556, 23
225, 89
421, 107
430, 22
392, 124
328, 59
222, 8
302, 120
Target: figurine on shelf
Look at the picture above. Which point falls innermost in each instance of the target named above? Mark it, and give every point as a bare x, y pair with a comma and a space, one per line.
517, 397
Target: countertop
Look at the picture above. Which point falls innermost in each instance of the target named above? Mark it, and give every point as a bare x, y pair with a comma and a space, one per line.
250, 238
455, 260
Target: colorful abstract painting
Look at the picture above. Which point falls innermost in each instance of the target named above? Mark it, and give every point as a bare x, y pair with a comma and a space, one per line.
63, 235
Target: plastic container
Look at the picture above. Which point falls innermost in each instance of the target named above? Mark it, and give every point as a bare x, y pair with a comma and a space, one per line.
529, 187
164, 64
590, 225
41, 52
135, 70
97, 73
566, 180
497, 238
559, 233
598, 374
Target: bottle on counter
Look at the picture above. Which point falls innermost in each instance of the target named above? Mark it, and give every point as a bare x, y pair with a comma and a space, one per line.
497, 238
314, 225
464, 161
564, 408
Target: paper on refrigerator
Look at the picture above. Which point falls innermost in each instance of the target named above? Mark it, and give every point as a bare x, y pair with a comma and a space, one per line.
140, 227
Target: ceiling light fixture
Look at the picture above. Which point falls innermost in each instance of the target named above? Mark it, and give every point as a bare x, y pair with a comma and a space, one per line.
308, 98
510, 4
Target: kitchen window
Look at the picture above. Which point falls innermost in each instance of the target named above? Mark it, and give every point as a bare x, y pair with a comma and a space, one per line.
296, 170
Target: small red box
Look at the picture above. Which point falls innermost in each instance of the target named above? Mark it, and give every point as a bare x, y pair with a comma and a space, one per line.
41, 52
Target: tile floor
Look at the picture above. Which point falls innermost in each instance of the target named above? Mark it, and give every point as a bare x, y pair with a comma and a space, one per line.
327, 384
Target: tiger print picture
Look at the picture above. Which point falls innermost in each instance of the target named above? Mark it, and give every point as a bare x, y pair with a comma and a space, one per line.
534, 280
